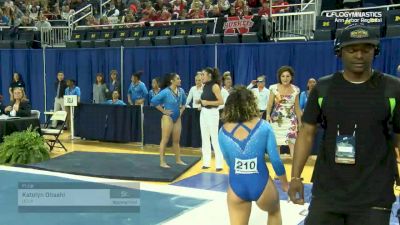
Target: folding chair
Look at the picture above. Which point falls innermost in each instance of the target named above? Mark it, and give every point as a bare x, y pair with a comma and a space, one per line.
35, 113
57, 116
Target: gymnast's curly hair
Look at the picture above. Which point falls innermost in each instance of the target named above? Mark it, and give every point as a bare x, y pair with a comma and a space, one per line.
240, 106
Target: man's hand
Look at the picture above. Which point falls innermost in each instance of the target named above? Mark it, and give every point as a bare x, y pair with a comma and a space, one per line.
296, 188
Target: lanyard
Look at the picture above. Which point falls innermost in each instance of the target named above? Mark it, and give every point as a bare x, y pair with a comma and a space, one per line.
354, 131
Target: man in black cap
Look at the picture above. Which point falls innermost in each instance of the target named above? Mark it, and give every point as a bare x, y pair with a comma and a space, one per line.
359, 110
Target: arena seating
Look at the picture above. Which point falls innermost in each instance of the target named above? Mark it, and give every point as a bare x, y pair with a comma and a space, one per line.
178, 34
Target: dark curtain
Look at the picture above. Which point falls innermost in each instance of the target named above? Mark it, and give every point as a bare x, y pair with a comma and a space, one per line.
29, 64
81, 65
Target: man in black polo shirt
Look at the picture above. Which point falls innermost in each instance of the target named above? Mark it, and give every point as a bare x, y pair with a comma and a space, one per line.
359, 110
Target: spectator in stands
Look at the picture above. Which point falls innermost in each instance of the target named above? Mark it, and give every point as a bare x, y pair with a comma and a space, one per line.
129, 18
137, 92
178, 6
216, 12
19, 105
195, 12
195, 93
120, 6
16, 81
66, 12
60, 85
211, 99
33, 10
43, 24
5, 16
146, 17
207, 8
183, 15
115, 84
115, 99
134, 7
104, 21
155, 88
171, 102
265, 9
148, 9
283, 110
165, 16
197, 2
26, 22
351, 4
224, 6
8, 3
159, 5
239, 6
232, 12
112, 11
304, 95
100, 89
91, 21
260, 92
247, 12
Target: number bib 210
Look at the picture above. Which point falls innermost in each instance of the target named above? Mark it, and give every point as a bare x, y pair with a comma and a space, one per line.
246, 166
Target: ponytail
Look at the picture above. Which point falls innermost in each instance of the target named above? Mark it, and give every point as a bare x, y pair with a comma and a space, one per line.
214, 74
167, 80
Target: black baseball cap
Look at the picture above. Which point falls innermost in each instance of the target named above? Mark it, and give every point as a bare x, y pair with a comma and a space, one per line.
357, 34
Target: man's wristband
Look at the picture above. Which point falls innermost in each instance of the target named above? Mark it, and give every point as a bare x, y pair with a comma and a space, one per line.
297, 178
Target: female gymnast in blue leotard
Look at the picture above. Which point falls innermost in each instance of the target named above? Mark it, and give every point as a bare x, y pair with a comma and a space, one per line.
171, 102
244, 141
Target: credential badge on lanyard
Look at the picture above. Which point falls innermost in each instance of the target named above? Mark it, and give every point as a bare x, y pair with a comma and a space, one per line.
345, 147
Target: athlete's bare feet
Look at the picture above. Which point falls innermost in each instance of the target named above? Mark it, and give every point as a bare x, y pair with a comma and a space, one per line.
164, 165
180, 162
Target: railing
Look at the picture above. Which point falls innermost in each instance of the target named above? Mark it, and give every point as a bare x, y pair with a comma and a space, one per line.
293, 26
20, 28
55, 36
71, 19
152, 23
387, 7
305, 6
102, 4
301, 7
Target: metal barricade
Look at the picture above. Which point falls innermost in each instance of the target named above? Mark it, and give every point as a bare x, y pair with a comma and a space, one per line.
293, 26
55, 36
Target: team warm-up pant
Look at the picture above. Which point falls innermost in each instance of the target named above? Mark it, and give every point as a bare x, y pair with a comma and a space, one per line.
209, 121
58, 105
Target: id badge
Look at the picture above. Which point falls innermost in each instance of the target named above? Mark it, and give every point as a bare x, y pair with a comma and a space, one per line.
345, 149
246, 166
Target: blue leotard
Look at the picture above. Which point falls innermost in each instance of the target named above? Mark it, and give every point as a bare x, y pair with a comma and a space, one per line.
170, 101
248, 173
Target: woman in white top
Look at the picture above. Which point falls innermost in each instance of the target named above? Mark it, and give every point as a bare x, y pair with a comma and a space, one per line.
195, 93
285, 116
261, 93
226, 87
